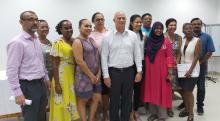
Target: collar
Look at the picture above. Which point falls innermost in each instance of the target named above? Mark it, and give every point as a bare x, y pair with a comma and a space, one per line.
28, 36
123, 33
146, 28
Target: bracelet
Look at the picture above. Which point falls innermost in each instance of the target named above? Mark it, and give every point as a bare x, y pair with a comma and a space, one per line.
140, 72
170, 72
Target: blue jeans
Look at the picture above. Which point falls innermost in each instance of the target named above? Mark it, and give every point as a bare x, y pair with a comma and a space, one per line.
201, 87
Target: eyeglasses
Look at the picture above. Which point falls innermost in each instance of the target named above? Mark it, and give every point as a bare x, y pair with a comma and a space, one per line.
31, 19
101, 19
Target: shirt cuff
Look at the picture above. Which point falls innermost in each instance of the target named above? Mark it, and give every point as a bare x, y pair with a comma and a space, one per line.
106, 76
46, 78
17, 92
139, 69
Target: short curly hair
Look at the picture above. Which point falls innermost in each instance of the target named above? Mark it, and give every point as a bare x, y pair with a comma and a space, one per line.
59, 26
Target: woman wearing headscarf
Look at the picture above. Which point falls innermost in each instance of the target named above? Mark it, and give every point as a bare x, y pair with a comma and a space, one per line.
159, 63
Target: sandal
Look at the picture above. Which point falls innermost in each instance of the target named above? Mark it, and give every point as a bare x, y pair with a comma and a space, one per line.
137, 116
152, 117
132, 117
190, 117
170, 112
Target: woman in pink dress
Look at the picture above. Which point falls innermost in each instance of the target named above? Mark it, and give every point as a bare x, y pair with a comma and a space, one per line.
159, 63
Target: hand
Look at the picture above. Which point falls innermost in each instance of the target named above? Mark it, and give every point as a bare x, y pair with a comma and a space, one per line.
107, 82
169, 77
138, 77
188, 74
94, 79
58, 88
48, 85
20, 100
98, 76
201, 61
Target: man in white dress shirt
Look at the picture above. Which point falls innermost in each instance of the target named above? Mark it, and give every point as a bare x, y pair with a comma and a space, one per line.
119, 51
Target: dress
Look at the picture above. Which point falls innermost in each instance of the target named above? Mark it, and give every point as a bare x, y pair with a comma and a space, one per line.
187, 58
63, 107
98, 37
156, 89
175, 50
83, 85
47, 60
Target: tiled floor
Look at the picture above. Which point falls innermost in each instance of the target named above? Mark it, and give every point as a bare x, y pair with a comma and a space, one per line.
212, 105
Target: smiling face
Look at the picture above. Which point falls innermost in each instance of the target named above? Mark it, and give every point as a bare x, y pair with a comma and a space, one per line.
120, 21
171, 28
197, 26
66, 29
85, 28
136, 24
147, 20
158, 31
99, 20
29, 22
43, 29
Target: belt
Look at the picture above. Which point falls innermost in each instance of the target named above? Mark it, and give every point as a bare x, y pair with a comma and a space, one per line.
33, 80
121, 69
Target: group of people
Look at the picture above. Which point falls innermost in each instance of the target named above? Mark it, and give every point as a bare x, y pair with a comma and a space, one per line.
108, 72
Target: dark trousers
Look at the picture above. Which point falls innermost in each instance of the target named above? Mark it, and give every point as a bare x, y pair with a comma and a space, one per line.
201, 86
137, 89
136, 96
34, 90
121, 93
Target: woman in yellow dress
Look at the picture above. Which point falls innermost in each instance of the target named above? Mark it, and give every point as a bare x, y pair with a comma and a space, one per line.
63, 100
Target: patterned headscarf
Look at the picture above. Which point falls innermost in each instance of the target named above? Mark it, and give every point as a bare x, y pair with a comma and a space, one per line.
154, 42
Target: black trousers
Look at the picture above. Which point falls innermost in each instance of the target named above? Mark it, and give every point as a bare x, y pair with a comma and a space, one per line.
121, 93
34, 90
137, 89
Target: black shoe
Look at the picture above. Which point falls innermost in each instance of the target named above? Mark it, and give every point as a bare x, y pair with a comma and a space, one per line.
181, 106
183, 113
152, 118
170, 113
200, 112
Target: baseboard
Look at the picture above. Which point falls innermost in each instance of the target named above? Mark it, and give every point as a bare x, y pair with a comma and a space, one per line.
12, 115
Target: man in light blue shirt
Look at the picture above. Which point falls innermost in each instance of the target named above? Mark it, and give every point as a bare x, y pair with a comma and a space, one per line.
147, 20
207, 50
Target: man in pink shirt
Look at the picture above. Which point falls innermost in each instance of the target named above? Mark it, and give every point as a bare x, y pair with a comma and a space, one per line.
26, 72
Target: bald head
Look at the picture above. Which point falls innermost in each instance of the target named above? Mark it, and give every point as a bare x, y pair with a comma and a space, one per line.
120, 21
119, 13
24, 14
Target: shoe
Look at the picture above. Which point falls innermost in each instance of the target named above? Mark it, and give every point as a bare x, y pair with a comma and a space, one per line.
200, 112
176, 96
190, 118
170, 112
152, 117
181, 106
183, 113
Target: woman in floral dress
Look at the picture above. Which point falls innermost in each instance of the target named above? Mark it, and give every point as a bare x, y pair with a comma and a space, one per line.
63, 100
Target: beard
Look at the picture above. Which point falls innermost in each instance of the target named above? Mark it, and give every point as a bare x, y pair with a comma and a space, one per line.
33, 30
197, 30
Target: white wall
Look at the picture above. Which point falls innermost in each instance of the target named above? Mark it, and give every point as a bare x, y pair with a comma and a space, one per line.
55, 10
218, 13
